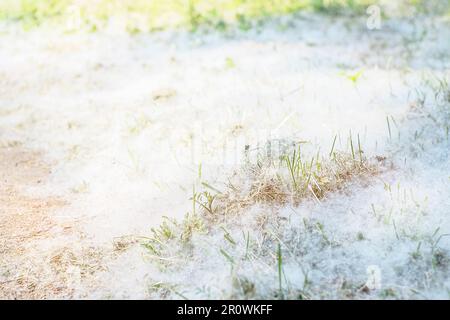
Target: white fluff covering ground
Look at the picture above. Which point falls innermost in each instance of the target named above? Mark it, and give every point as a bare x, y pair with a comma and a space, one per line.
119, 116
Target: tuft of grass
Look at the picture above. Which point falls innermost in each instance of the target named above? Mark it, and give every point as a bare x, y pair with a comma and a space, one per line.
170, 231
295, 177
314, 176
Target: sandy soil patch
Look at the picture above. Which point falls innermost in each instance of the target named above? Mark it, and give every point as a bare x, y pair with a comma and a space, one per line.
26, 221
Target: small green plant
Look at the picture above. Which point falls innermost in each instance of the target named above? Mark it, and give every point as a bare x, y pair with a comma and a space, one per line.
192, 224
229, 63
360, 236
416, 254
351, 146
246, 287
227, 256
164, 289
388, 293
227, 236
395, 229
139, 124
247, 243
321, 230
354, 77
332, 147
165, 229
160, 237
206, 200
280, 271
171, 233
360, 151
438, 257
389, 128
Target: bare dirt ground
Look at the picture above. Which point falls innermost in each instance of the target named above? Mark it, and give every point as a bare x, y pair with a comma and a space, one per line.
24, 220
35, 263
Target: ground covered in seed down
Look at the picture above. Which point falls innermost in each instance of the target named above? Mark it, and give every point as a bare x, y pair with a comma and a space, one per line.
162, 165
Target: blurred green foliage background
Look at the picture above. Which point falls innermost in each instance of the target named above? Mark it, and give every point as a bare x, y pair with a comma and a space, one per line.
151, 15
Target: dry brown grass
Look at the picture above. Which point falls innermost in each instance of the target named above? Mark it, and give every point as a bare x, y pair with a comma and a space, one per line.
23, 220
23, 217
35, 262
277, 184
